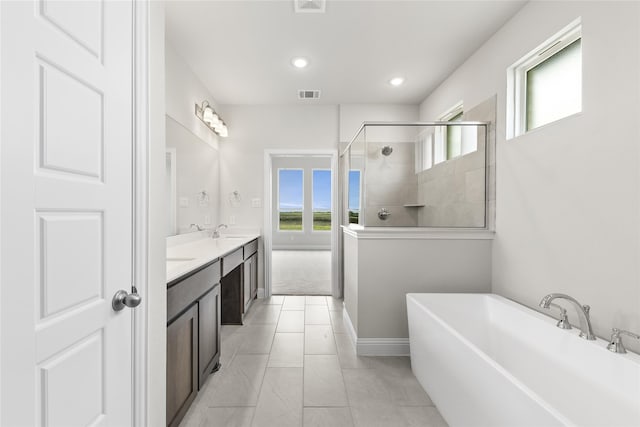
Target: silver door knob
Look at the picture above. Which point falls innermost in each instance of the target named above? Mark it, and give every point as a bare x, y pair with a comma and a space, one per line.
124, 299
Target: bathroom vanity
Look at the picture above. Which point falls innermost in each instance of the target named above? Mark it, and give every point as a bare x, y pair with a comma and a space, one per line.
209, 282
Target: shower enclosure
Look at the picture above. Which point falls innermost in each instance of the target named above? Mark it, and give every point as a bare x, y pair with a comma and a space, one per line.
419, 174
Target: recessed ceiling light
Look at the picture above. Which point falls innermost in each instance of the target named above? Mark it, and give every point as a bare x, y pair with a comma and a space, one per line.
300, 62
396, 81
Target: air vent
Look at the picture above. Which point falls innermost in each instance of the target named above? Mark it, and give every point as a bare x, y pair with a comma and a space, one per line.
307, 6
308, 94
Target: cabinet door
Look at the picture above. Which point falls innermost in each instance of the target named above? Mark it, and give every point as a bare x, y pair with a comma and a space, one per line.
182, 364
246, 285
208, 333
254, 275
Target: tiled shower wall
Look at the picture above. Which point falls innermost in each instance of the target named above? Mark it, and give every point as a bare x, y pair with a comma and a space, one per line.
454, 191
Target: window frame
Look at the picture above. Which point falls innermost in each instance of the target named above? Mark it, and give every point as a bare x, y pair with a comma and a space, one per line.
360, 200
313, 230
440, 150
278, 199
517, 77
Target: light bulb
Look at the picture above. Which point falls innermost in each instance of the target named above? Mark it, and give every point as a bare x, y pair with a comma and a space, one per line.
300, 62
396, 81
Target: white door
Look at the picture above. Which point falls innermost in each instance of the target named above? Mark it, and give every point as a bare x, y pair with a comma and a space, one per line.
65, 223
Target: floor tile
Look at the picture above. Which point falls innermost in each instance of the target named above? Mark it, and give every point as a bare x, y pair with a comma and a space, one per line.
382, 415
256, 339
291, 321
280, 400
323, 384
273, 299
347, 354
287, 351
334, 304
327, 417
337, 322
263, 314
316, 315
318, 339
294, 302
398, 378
316, 300
422, 416
365, 388
219, 417
238, 383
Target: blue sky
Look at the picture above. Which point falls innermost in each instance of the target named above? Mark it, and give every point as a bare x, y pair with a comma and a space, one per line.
291, 193
354, 190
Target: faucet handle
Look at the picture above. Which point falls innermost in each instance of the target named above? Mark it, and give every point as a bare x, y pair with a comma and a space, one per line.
563, 322
615, 344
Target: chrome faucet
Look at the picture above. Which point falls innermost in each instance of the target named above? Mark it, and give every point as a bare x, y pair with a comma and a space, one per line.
583, 313
563, 322
196, 226
216, 232
615, 343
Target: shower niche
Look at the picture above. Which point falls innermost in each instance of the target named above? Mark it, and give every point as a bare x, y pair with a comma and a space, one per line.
421, 174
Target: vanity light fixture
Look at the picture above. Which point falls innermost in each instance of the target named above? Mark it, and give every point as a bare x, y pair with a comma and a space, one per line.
209, 117
396, 81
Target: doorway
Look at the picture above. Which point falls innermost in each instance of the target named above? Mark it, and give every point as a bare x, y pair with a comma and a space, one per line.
300, 231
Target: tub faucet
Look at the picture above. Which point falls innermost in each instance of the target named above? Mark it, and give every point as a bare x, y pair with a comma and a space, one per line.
197, 227
216, 232
583, 313
615, 343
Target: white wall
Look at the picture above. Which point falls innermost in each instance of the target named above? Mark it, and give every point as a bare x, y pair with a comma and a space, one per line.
184, 89
567, 194
352, 116
382, 266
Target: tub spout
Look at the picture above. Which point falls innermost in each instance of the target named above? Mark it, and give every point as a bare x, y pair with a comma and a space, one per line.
582, 310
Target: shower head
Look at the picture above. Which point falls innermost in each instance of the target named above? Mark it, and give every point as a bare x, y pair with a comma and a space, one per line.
386, 150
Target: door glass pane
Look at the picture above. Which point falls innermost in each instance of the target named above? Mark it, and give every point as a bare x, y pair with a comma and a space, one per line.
354, 196
321, 199
554, 87
290, 199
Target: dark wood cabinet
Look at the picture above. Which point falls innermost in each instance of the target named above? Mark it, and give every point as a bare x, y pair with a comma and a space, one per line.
250, 279
232, 301
182, 364
193, 336
208, 334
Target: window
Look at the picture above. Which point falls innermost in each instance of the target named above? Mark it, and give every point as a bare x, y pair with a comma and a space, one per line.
321, 200
454, 137
354, 196
290, 199
546, 85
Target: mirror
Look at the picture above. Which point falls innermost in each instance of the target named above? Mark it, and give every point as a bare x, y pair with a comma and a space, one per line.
192, 180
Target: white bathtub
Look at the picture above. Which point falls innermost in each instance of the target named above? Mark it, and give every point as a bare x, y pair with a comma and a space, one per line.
487, 361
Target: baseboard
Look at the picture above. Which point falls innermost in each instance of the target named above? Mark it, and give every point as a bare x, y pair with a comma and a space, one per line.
375, 346
260, 292
382, 347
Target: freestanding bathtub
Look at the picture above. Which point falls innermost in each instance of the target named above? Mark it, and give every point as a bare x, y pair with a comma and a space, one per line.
488, 361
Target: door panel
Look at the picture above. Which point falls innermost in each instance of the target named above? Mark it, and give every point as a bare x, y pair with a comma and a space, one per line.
65, 180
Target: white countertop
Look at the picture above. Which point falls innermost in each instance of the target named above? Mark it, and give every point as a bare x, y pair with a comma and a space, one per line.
187, 254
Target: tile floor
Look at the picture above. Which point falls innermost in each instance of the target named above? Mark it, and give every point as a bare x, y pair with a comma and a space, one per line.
301, 272
293, 364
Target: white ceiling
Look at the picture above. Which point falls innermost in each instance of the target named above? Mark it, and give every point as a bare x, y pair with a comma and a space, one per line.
242, 50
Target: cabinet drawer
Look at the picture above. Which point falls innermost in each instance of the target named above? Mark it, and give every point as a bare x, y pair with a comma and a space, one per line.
188, 290
250, 248
231, 261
